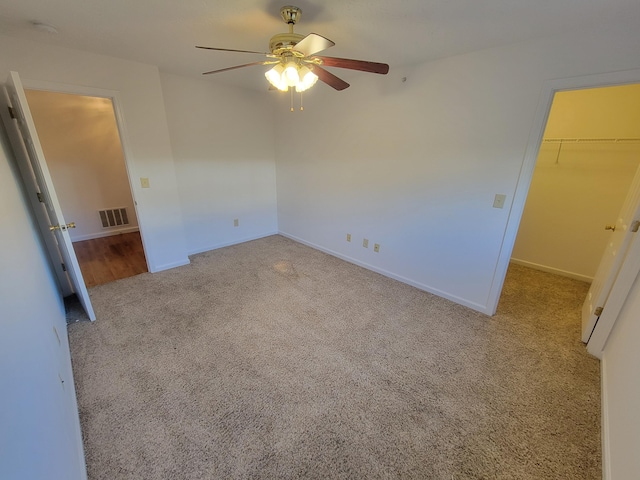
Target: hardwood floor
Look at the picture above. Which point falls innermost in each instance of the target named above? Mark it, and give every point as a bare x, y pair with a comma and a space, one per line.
103, 260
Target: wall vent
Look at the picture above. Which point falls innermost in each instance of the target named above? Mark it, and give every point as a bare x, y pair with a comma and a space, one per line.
114, 217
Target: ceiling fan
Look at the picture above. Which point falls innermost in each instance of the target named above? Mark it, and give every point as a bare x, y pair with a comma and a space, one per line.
294, 59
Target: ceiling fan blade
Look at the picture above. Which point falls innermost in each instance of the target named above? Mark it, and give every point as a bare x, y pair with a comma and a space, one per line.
233, 68
329, 78
313, 43
362, 65
231, 50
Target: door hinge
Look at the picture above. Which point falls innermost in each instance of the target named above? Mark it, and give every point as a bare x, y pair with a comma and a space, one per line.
598, 311
40, 198
12, 112
64, 267
635, 225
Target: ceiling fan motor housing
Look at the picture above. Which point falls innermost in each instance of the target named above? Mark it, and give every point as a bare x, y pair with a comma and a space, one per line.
283, 43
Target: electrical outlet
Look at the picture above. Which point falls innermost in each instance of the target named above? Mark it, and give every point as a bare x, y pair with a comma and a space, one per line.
144, 182
348, 237
236, 222
365, 243
376, 247
498, 201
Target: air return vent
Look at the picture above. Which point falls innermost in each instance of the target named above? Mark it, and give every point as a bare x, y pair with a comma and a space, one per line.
114, 217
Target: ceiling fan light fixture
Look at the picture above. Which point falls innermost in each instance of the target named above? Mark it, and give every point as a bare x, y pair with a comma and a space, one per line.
307, 79
275, 77
295, 60
291, 74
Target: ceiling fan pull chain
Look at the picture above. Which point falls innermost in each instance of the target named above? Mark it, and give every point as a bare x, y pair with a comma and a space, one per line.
291, 90
301, 107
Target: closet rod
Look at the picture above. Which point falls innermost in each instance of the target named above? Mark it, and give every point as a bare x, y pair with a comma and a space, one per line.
591, 140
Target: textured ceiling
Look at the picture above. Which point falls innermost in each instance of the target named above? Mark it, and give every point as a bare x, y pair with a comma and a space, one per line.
401, 33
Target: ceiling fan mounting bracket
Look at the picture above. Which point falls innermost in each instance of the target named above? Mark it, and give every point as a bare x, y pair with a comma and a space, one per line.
290, 14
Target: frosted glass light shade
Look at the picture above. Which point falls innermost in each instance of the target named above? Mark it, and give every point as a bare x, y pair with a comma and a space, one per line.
293, 75
307, 79
275, 77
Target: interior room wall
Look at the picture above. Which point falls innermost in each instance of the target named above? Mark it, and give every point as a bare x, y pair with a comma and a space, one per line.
39, 425
80, 139
414, 165
145, 131
223, 145
578, 188
621, 388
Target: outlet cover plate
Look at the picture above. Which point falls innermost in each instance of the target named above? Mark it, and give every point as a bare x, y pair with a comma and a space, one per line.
498, 201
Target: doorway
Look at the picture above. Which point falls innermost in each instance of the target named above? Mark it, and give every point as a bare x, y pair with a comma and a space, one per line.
80, 138
609, 146
589, 155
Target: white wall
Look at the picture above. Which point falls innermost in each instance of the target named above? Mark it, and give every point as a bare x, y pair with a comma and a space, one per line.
145, 131
39, 426
578, 188
621, 387
81, 143
223, 144
414, 166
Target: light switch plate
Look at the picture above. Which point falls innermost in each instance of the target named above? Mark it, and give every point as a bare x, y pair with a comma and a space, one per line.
498, 201
144, 182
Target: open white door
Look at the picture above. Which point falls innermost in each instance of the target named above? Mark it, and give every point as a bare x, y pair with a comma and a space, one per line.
29, 153
614, 256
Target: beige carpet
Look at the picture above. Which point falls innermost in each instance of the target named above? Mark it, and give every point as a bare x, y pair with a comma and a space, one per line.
272, 360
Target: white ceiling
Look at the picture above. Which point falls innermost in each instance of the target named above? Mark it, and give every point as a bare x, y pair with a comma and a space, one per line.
400, 33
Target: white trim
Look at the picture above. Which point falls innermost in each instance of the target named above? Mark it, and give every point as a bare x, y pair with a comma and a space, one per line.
421, 286
114, 96
228, 244
110, 233
556, 271
604, 406
549, 88
167, 266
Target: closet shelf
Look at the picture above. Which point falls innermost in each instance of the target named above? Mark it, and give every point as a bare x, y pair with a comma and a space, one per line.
591, 140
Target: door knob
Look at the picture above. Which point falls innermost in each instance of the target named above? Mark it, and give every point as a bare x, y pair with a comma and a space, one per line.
54, 227
610, 227
71, 225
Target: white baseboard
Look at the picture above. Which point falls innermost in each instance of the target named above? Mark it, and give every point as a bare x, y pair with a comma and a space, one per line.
228, 244
110, 233
557, 271
461, 301
159, 268
167, 266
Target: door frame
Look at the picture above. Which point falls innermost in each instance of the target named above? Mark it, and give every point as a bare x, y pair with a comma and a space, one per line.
116, 102
549, 88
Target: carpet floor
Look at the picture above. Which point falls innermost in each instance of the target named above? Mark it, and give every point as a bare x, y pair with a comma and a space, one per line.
270, 359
